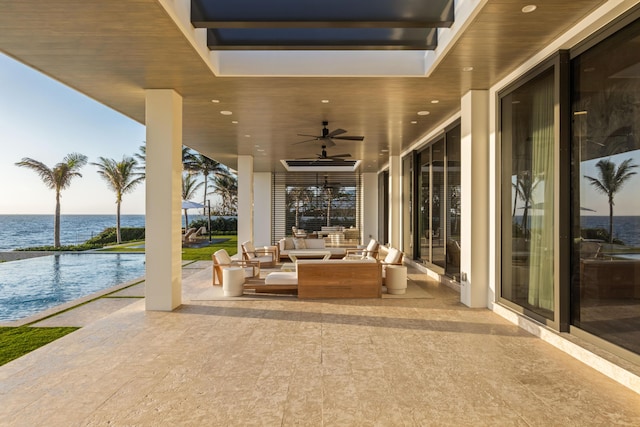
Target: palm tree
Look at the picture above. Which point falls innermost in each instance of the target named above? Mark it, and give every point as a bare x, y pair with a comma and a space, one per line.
57, 178
611, 181
195, 162
297, 196
189, 188
524, 187
122, 178
226, 186
141, 157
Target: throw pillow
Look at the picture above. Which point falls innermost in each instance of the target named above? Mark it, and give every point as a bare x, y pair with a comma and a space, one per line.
289, 244
300, 244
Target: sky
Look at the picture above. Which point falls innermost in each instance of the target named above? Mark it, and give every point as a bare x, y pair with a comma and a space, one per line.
46, 120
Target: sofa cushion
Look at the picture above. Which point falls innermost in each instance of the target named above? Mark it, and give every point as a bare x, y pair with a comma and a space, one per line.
281, 278
286, 244
300, 244
315, 244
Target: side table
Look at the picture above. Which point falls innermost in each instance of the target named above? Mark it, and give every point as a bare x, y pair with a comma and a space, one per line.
396, 279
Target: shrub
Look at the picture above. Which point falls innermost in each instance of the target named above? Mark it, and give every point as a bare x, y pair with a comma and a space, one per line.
108, 235
219, 225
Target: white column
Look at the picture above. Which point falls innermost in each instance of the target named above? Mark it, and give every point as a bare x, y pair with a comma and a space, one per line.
262, 204
163, 245
245, 200
395, 201
369, 211
475, 196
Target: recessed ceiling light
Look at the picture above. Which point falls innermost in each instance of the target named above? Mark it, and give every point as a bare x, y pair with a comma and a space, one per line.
325, 101
529, 8
414, 122
226, 113
467, 69
385, 150
435, 101
215, 101
589, 69
423, 113
247, 136
260, 150
235, 122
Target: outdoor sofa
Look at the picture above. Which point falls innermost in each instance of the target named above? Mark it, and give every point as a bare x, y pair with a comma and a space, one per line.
289, 243
332, 278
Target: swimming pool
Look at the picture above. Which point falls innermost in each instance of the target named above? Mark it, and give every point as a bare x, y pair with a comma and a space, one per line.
33, 285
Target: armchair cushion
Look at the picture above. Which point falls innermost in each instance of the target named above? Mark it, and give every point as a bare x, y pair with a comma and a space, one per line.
393, 257
249, 249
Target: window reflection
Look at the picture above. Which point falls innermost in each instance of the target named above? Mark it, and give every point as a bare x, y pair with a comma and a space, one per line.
606, 209
528, 170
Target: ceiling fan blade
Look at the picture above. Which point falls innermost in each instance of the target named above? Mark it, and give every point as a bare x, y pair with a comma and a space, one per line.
312, 136
336, 132
337, 156
306, 140
350, 138
328, 142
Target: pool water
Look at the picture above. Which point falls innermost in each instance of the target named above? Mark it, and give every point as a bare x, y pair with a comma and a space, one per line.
33, 285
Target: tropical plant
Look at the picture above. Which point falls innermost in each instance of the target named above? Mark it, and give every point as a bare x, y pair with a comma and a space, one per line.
141, 157
297, 196
190, 186
122, 178
57, 178
203, 165
611, 181
226, 186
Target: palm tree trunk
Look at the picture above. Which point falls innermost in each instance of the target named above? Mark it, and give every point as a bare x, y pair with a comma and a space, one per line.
186, 221
204, 200
56, 222
118, 237
610, 221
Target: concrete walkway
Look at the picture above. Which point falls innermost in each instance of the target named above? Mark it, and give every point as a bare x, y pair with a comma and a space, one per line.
274, 361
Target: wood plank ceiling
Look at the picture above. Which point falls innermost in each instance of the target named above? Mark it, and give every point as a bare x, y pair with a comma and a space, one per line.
113, 51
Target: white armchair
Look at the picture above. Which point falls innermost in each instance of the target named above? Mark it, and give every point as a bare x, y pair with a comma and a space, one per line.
266, 256
371, 251
221, 259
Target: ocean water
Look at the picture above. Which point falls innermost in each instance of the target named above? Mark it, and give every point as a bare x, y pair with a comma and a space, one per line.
21, 231
625, 228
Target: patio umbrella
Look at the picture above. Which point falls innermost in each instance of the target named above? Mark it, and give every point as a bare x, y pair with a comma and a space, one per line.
188, 204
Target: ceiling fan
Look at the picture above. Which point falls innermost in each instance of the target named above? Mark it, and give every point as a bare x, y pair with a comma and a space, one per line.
328, 137
326, 185
323, 155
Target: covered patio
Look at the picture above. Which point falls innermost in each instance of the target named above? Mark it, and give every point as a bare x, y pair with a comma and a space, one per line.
280, 361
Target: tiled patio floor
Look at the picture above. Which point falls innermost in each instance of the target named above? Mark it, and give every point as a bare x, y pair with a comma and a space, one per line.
273, 362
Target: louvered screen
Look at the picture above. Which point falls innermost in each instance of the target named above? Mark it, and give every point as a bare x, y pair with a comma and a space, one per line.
312, 200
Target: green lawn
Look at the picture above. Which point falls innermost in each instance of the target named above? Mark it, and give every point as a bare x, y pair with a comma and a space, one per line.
188, 254
15, 342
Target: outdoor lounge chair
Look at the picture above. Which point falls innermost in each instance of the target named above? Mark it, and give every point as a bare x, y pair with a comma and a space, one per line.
371, 251
266, 256
393, 257
298, 232
221, 259
188, 235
